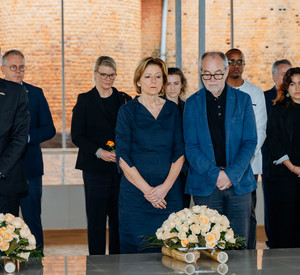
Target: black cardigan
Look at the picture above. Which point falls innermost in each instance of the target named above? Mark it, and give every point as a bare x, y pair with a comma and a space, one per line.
91, 128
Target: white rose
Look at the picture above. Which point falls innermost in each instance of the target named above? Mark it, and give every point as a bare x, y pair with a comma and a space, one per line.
31, 247
177, 222
1, 217
17, 222
193, 238
9, 218
159, 233
188, 212
184, 228
25, 233
24, 226
204, 228
229, 235
172, 216
232, 240
196, 209
224, 221
182, 217
31, 239
182, 235
195, 228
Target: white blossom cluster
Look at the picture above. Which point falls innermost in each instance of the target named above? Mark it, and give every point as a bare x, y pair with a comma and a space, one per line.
199, 226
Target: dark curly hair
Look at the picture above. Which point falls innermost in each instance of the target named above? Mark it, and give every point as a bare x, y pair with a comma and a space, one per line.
282, 98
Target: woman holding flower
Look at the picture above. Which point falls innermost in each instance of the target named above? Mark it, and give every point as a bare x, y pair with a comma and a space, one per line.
93, 125
283, 140
150, 152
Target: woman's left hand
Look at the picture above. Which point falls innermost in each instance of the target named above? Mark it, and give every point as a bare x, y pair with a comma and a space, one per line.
157, 196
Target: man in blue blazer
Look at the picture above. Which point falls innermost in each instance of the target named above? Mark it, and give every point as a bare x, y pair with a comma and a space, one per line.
220, 140
41, 129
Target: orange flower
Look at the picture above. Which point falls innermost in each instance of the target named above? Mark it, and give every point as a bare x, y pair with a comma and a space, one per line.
110, 143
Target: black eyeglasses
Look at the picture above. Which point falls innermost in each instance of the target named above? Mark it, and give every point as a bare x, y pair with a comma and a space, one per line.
209, 76
22, 68
105, 76
239, 62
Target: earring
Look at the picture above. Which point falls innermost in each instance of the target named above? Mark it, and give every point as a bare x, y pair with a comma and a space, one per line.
287, 95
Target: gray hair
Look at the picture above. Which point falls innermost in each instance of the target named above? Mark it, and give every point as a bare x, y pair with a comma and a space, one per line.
220, 54
279, 62
11, 52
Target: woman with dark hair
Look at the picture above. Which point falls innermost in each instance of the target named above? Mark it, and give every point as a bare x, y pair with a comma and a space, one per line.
175, 89
283, 140
150, 153
93, 132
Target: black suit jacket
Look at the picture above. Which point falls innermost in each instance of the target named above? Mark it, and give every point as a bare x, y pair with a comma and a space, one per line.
41, 129
91, 128
279, 139
14, 128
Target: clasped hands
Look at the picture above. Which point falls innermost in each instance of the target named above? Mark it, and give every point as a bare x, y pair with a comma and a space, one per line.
156, 196
223, 182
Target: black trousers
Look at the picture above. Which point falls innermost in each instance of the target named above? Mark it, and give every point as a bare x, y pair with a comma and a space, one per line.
285, 211
10, 205
101, 200
251, 244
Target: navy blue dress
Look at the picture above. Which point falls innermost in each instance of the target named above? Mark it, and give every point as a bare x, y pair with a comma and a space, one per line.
151, 145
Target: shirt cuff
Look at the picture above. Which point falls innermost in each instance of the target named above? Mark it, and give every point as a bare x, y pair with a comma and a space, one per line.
281, 160
98, 152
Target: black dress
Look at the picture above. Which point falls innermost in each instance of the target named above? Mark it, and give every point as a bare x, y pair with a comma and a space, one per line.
284, 139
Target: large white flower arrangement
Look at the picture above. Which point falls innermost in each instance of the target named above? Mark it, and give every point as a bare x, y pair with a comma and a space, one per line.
16, 240
197, 227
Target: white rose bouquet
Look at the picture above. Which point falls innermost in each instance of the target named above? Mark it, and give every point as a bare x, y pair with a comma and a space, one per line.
16, 240
192, 229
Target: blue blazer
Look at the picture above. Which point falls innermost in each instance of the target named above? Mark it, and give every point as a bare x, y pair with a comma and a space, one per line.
41, 129
240, 143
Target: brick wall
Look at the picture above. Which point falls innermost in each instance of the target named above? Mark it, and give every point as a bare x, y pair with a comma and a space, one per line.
130, 29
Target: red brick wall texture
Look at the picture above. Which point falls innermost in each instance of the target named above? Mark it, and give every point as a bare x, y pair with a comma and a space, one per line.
128, 30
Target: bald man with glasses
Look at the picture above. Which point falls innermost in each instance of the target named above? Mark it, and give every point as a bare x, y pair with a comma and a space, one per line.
220, 140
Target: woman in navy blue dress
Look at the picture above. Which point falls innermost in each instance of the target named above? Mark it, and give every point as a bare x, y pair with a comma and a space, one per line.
150, 152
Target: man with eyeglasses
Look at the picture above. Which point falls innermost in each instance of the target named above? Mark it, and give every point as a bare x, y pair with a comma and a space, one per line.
220, 139
14, 128
236, 61
41, 129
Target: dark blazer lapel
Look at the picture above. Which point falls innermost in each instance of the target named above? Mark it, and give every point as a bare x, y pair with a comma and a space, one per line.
2, 94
